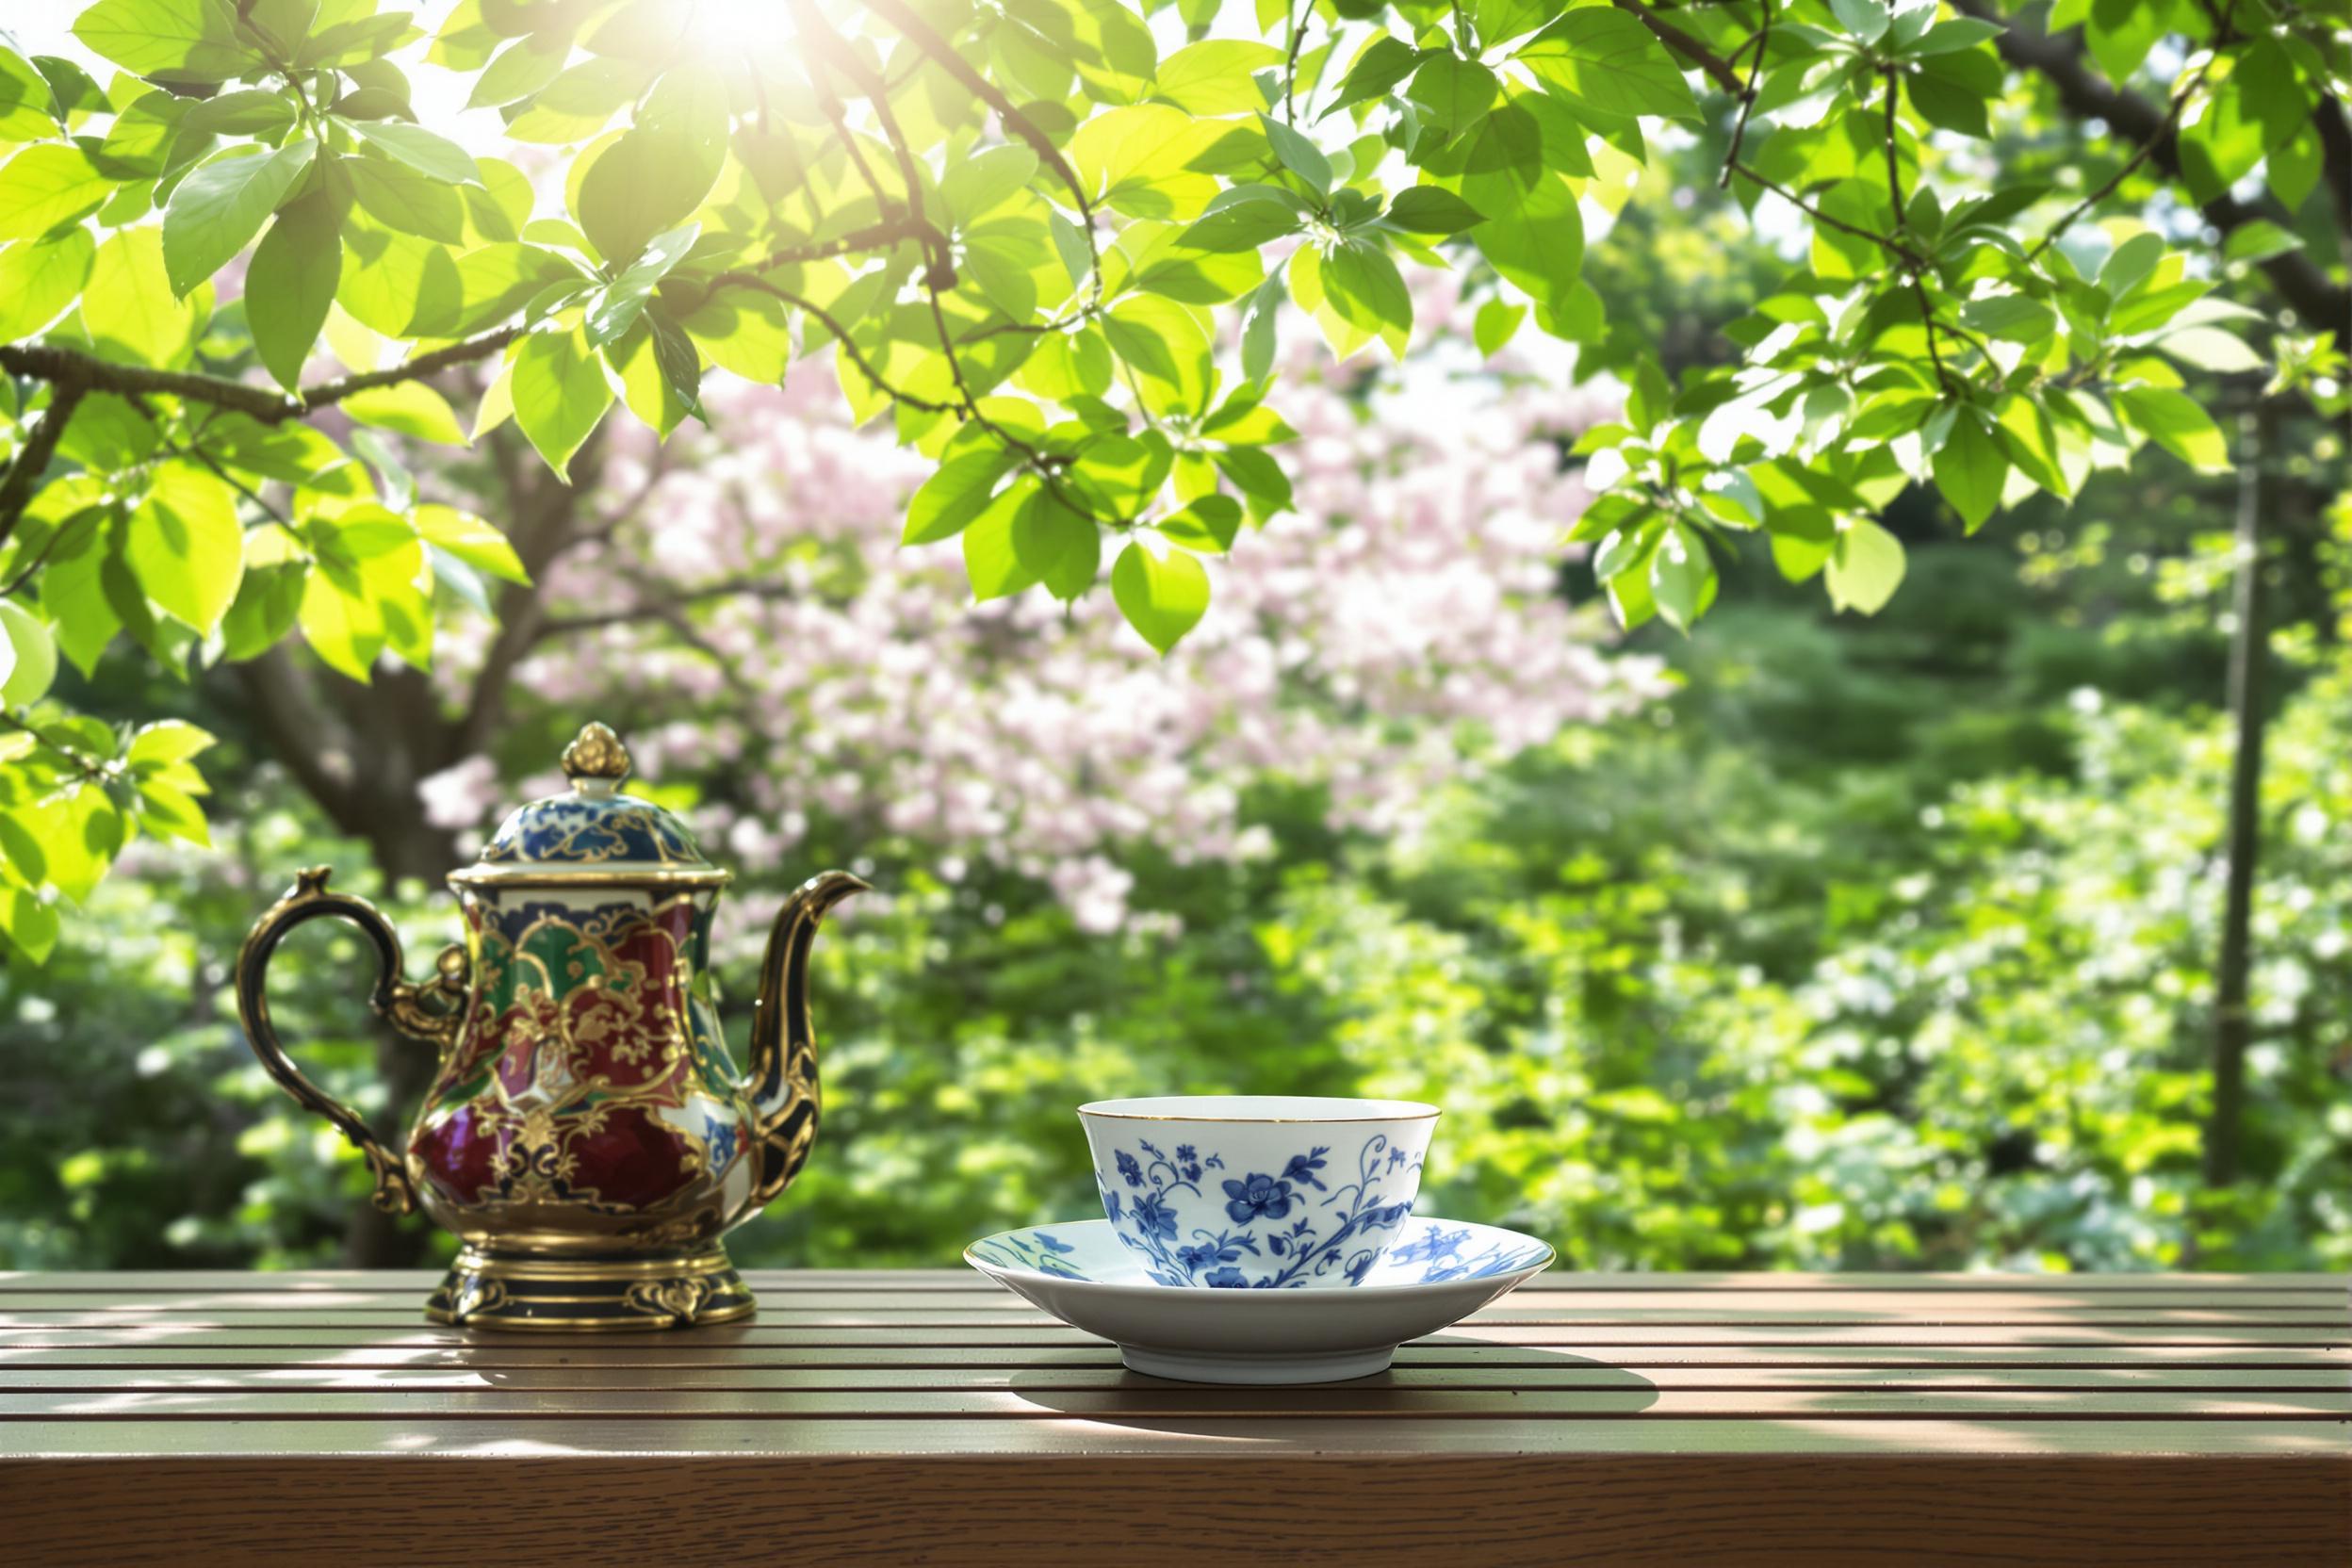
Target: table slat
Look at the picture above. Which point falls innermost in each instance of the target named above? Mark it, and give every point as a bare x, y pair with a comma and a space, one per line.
928, 1416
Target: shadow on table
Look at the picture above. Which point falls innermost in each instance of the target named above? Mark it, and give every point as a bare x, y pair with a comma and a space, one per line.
1438, 1376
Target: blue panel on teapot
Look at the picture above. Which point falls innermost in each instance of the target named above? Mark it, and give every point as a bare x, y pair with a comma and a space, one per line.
591, 831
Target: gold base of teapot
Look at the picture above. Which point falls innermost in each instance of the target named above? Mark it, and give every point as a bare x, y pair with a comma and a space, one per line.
620, 1293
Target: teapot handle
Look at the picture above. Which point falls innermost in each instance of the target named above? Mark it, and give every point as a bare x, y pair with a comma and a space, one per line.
423, 1012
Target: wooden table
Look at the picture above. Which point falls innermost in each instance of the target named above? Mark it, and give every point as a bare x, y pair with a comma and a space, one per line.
929, 1417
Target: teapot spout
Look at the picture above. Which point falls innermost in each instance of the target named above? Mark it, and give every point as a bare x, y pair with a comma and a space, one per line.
783, 1084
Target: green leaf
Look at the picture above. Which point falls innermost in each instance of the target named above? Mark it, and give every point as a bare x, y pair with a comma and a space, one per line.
28, 109
1208, 524
218, 209
1970, 470
746, 332
410, 407
471, 540
80, 832
38, 279
185, 545
367, 589
977, 185
2293, 169
961, 489
183, 40
1238, 226
1950, 104
1453, 90
2129, 263
1214, 76
675, 357
521, 68
1379, 67
560, 393
1682, 577
1865, 20
654, 177
1604, 60
1866, 565
1362, 286
2013, 318
167, 742
1060, 546
2259, 241
30, 925
1534, 229
249, 112
422, 150
1500, 21
1164, 344
1257, 331
1162, 596
270, 599
400, 198
990, 560
1432, 209
28, 656
291, 282
1140, 158
1497, 320
618, 305
1299, 155
73, 89
2174, 422
2211, 349
130, 310
48, 184
1259, 477
1947, 38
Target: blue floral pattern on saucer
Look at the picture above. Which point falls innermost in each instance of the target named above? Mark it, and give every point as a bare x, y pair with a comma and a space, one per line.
1086, 1274
1427, 1252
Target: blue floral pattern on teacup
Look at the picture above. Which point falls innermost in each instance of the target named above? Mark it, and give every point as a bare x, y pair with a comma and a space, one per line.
1291, 1225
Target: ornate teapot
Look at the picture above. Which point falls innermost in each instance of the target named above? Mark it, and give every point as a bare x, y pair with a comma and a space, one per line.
587, 1133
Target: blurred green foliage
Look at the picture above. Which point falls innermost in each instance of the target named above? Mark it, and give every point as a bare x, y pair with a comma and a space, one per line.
1881, 945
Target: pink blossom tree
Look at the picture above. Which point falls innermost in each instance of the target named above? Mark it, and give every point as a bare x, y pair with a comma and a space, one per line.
753, 609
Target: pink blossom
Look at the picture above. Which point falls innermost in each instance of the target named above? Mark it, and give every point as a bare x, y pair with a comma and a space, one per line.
1399, 631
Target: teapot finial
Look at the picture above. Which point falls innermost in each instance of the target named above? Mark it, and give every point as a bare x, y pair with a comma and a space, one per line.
596, 761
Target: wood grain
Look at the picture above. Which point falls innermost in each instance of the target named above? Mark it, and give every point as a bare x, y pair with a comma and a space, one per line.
928, 1418
1767, 1511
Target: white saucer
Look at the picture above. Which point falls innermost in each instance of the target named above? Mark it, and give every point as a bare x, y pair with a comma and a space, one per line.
1439, 1272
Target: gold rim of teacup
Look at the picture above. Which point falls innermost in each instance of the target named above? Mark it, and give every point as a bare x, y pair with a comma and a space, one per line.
1426, 1112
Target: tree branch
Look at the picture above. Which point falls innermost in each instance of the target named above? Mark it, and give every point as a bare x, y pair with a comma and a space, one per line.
1747, 98
2172, 118
668, 607
1717, 69
32, 459
50, 362
841, 336
1887, 242
924, 37
464, 352
2087, 96
940, 263
873, 236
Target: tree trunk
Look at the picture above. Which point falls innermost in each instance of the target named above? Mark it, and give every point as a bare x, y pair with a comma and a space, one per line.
2247, 650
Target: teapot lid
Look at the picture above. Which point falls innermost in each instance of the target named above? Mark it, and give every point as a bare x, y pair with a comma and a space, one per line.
593, 835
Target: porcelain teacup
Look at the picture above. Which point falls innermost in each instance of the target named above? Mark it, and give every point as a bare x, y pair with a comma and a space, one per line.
1265, 1191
